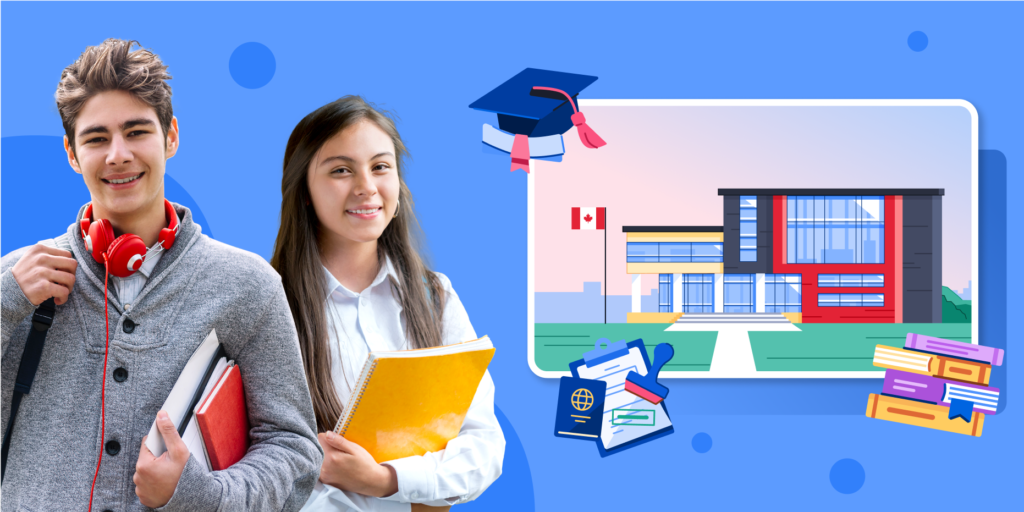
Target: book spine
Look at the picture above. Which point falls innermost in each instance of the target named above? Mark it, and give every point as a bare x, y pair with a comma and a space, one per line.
964, 371
989, 355
914, 386
922, 415
354, 403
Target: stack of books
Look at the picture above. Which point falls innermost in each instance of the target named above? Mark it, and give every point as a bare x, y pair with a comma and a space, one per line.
936, 383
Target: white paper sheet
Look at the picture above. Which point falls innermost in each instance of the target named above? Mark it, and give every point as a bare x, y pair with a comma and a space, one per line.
616, 397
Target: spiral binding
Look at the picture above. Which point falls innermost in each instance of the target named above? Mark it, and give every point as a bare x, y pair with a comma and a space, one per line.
354, 401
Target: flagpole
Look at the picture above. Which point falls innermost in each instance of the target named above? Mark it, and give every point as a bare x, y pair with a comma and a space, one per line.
606, 265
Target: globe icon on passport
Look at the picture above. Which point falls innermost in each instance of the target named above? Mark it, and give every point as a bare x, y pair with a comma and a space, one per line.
582, 399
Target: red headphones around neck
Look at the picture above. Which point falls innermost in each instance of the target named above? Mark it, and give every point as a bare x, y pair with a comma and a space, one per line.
126, 253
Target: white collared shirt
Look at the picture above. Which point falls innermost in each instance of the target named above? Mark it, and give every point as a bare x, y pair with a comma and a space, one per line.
372, 320
128, 288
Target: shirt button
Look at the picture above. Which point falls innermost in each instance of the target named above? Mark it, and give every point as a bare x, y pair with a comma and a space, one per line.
113, 448
120, 374
128, 326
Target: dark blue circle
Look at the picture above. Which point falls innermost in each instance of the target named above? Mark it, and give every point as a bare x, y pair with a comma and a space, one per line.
701, 443
252, 65
847, 476
917, 41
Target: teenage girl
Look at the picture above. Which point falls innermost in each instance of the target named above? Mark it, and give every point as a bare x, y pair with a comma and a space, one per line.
355, 284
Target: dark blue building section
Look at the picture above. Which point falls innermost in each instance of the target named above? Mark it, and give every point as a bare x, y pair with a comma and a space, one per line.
732, 221
922, 258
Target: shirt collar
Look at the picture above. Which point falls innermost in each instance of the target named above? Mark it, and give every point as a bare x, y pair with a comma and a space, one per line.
334, 286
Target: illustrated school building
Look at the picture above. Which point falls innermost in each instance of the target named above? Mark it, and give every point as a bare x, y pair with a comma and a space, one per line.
814, 255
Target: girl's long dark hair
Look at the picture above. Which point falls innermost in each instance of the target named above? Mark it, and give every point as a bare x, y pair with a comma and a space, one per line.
297, 254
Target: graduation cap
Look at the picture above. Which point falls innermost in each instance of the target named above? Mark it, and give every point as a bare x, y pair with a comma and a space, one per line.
534, 109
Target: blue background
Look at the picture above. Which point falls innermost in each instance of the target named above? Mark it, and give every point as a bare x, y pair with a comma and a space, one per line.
427, 62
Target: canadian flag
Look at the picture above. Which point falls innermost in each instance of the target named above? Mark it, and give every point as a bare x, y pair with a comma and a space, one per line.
588, 217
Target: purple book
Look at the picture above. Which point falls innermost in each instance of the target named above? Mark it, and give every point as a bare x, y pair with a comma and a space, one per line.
939, 391
990, 355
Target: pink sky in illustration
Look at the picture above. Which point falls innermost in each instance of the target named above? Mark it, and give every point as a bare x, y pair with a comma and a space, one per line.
664, 166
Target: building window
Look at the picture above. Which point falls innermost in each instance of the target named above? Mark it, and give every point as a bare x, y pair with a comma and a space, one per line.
673, 252
782, 293
835, 229
664, 293
641, 252
739, 293
698, 293
851, 280
866, 300
748, 228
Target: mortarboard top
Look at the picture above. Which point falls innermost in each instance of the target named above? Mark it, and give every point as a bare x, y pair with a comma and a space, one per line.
524, 111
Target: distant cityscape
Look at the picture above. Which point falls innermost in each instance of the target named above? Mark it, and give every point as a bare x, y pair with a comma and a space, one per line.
965, 294
587, 307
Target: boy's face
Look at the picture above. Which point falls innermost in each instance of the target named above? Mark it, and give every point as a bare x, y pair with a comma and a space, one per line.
120, 151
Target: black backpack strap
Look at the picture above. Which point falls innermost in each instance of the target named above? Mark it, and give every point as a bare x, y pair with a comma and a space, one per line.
41, 321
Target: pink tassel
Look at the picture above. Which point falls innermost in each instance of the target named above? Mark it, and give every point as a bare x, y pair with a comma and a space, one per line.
589, 137
521, 153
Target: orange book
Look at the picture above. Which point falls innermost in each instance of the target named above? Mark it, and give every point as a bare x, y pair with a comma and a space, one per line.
931, 364
912, 412
224, 422
411, 402
966, 371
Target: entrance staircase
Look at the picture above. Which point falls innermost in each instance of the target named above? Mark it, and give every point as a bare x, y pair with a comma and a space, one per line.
733, 318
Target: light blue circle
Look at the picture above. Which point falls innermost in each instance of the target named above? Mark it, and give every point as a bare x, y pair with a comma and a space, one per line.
847, 476
252, 65
917, 41
701, 443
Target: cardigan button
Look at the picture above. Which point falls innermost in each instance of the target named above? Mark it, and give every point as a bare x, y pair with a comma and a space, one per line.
128, 326
120, 374
113, 448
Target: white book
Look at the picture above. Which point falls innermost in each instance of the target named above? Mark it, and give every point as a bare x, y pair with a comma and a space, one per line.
179, 402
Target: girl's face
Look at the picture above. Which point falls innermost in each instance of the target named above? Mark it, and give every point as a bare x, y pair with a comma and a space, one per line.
353, 184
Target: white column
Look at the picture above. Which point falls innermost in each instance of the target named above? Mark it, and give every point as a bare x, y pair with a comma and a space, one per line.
719, 294
677, 293
759, 294
636, 293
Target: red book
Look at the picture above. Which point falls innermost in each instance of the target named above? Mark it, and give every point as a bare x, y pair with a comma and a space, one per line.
224, 422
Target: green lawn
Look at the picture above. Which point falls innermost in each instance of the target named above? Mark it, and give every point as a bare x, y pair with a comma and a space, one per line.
559, 344
839, 347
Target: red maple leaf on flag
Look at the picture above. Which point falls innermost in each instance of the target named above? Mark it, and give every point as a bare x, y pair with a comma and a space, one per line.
588, 218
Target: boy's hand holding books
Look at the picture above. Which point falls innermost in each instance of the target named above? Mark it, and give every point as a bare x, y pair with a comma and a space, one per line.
156, 477
350, 467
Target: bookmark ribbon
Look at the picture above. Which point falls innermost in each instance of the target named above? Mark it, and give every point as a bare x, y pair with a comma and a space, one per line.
962, 409
521, 153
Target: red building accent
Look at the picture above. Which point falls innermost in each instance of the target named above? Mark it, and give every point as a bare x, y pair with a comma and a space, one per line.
893, 285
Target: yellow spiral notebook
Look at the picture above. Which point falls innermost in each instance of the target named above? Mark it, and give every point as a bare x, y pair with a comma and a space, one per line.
411, 402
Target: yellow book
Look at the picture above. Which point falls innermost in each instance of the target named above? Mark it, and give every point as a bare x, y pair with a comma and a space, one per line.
411, 402
911, 412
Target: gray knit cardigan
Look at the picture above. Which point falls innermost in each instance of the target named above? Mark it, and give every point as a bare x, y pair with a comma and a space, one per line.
198, 285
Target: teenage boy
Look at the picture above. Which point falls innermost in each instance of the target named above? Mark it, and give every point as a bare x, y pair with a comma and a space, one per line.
119, 132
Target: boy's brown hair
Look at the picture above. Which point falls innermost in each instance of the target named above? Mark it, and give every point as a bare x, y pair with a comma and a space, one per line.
109, 66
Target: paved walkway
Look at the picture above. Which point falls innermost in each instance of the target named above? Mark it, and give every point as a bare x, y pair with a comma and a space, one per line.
733, 357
